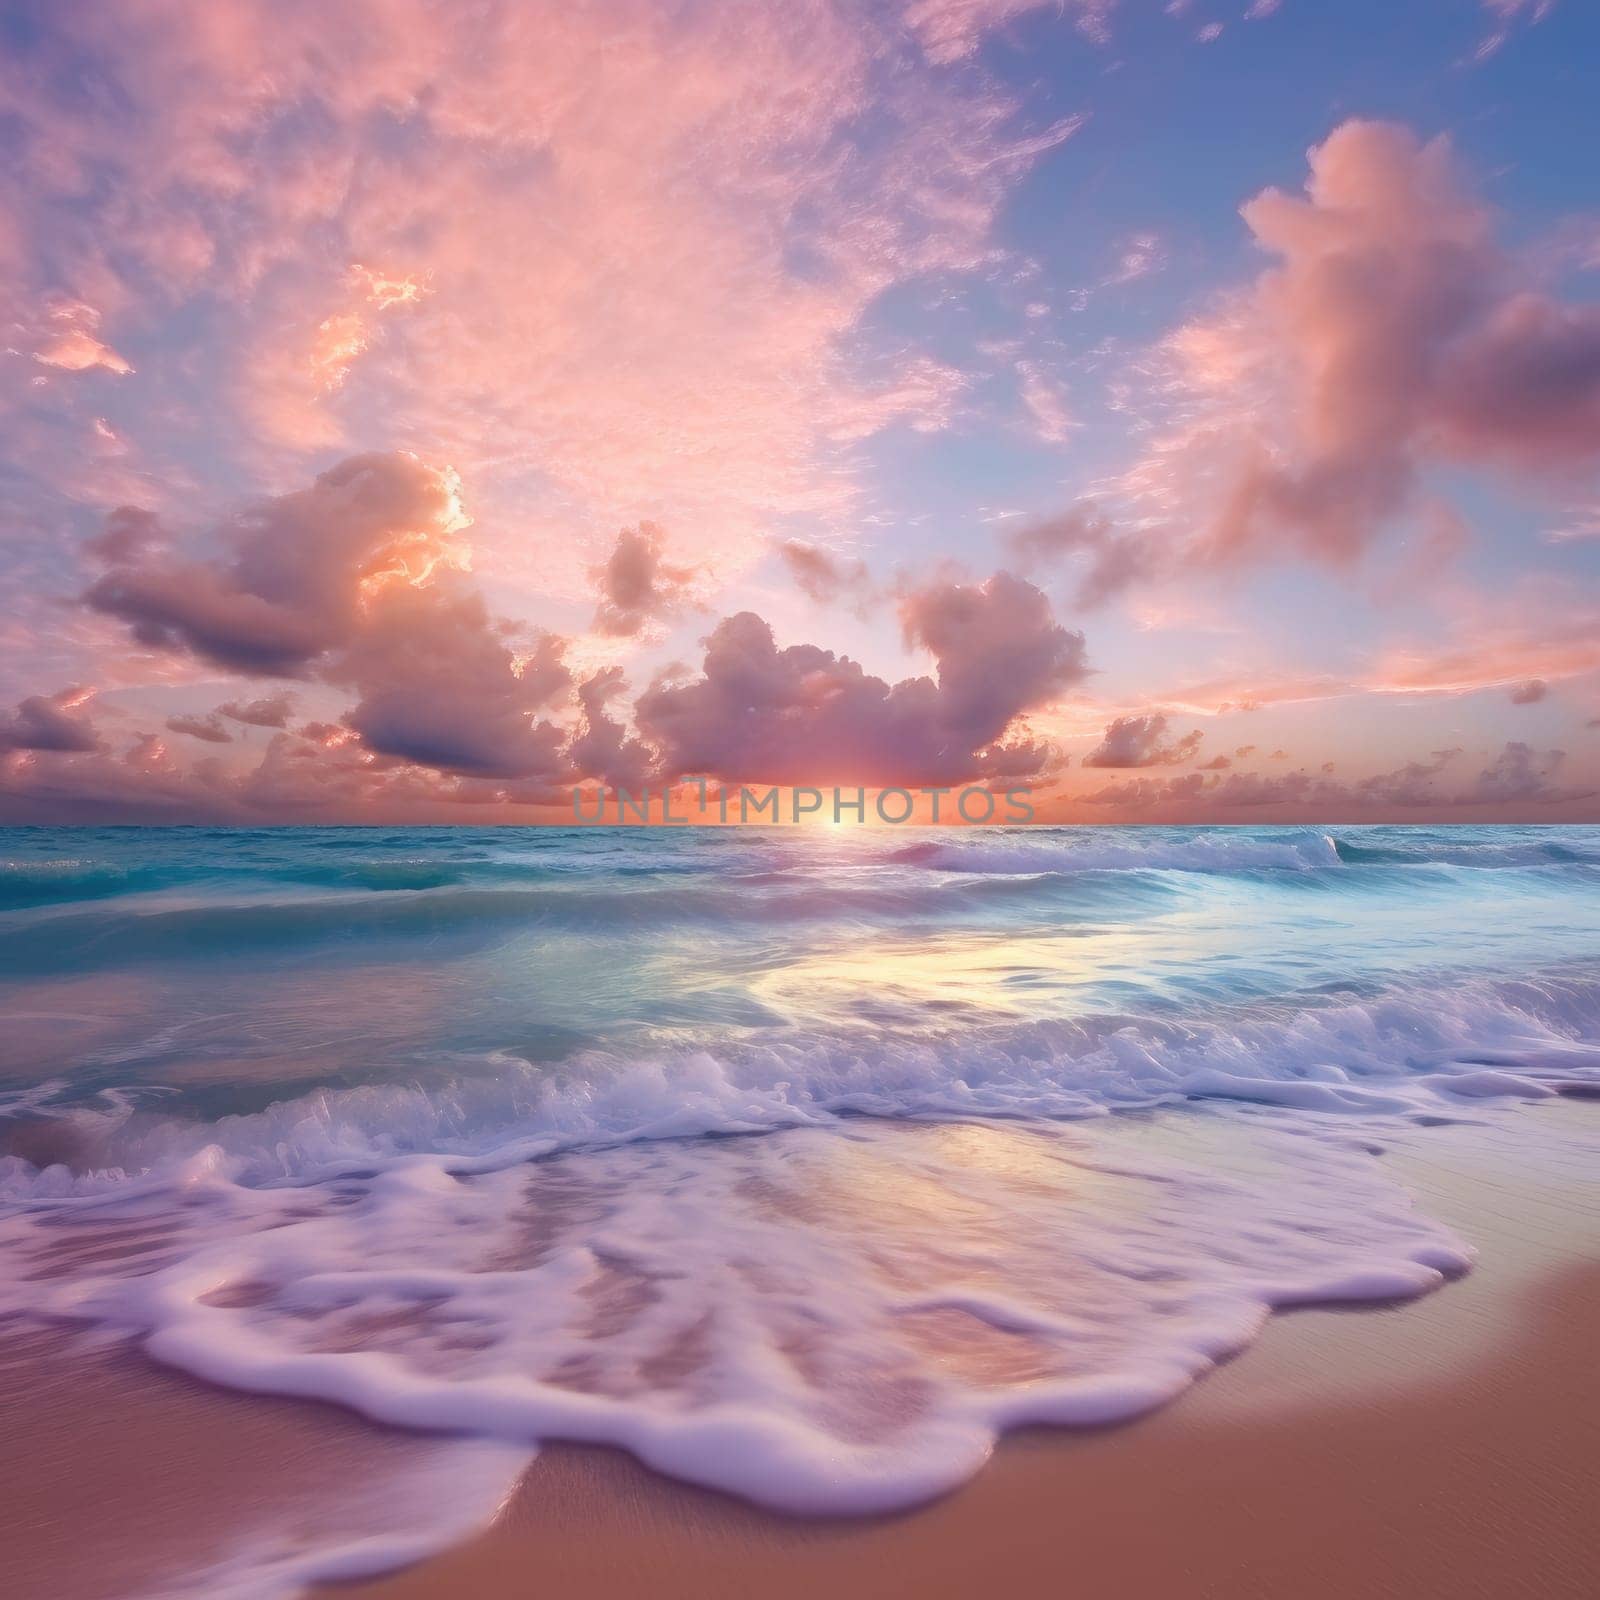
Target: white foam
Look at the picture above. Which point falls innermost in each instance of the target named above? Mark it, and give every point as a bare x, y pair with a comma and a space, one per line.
1405, 1050
835, 1319
838, 1316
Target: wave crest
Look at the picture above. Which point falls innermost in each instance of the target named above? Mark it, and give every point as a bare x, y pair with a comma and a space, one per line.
1066, 851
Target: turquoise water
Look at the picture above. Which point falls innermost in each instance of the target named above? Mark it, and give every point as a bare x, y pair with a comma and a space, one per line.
227, 968
801, 1162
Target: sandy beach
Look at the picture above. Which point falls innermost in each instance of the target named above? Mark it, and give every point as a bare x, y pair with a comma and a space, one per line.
1443, 1447
1449, 1447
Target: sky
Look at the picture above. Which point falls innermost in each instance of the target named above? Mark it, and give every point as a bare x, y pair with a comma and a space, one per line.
414, 410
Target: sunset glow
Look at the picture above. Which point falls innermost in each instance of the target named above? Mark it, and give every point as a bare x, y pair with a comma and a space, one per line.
419, 409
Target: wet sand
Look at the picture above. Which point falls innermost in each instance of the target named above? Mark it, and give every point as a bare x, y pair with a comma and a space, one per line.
118, 1476
1447, 1447
1484, 1486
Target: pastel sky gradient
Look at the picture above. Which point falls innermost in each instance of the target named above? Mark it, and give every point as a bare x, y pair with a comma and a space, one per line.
414, 408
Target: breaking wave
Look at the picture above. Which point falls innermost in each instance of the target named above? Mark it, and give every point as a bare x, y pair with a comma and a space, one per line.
800, 1166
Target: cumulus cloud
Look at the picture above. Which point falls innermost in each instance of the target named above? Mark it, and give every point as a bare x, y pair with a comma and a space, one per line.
267, 711
1411, 784
353, 581
1142, 742
1141, 794
208, 728
804, 715
50, 722
1530, 693
440, 685
1520, 781
1110, 560
1198, 795
825, 577
141, 785
294, 779
323, 773
602, 748
999, 650
130, 533
1521, 775
1392, 333
300, 571
636, 585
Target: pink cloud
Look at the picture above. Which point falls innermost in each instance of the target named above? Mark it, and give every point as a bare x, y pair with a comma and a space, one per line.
355, 582
1392, 334
1518, 782
602, 747
1142, 742
1110, 560
351, 581
636, 585
49, 722
439, 685
1251, 692
1045, 402
208, 729
415, 227
130, 534
267, 711
805, 715
68, 339
952, 29
1197, 796
300, 568
1495, 654
1521, 775
1521, 645
826, 578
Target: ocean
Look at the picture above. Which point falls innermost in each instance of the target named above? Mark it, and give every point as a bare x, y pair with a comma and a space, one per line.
799, 1162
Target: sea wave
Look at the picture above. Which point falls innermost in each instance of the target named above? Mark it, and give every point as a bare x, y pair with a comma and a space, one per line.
836, 1318
25, 884
1410, 1049
117, 933
1440, 847
793, 1163
1086, 851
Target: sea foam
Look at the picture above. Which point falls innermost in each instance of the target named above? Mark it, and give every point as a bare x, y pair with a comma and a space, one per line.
802, 1168
836, 1319
1410, 1050
840, 1312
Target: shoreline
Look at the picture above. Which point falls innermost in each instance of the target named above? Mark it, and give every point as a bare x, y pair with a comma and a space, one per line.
1444, 1446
